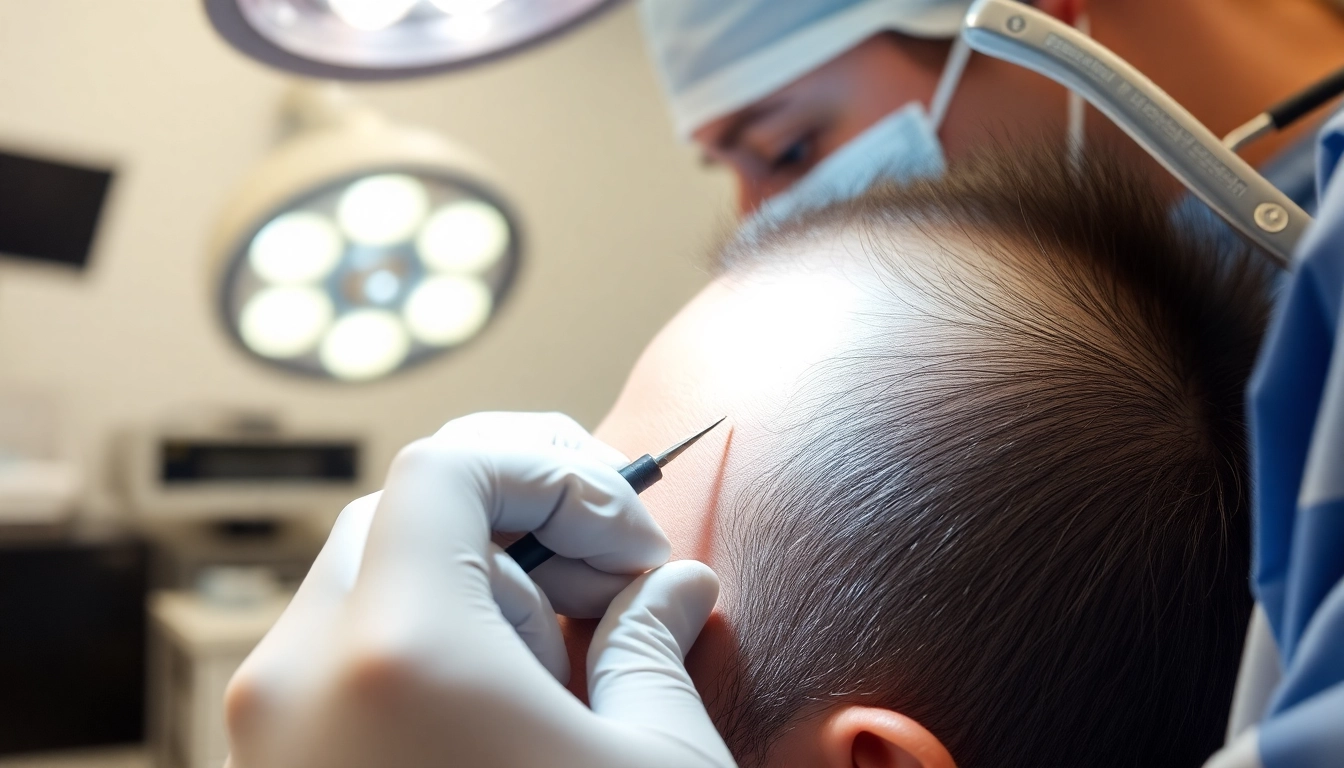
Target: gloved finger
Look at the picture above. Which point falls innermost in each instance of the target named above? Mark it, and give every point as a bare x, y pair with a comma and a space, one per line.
428, 549
614, 533
320, 598
578, 507
427, 554
578, 590
275, 675
636, 663
522, 429
337, 565
526, 607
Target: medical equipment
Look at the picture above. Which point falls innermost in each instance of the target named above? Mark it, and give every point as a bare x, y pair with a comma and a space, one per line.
233, 471
389, 39
640, 474
360, 248
1286, 112
1019, 34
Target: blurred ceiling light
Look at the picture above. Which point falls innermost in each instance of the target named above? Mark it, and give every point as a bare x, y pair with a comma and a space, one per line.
389, 39
370, 15
283, 321
465, 236
365, 344
465, 6
383, 209
447, 310
298, 247
359, 248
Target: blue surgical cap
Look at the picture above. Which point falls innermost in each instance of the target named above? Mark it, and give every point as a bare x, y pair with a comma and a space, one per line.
717, 56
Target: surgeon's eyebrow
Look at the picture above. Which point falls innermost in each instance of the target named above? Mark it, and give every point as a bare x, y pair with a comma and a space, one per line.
731, 136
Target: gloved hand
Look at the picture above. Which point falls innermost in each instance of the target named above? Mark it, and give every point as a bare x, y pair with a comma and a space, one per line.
414, 641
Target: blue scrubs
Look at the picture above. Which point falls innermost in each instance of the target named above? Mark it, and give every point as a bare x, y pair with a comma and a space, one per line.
1293, 171
1297, 434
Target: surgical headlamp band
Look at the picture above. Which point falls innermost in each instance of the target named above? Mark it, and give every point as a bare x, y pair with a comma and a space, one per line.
1021, 35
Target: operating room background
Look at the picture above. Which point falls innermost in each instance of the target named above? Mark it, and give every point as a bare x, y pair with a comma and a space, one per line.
615, 218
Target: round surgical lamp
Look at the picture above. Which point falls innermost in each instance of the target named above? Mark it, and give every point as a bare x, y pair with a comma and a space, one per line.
388, 39
360, 248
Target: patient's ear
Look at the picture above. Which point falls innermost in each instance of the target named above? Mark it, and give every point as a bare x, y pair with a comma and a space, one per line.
870, 737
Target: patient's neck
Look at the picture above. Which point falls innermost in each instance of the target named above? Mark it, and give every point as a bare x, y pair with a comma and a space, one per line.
1227, 60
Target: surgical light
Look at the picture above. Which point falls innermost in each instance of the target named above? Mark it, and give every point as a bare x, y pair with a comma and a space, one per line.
365, 344
298, 247
283, 321
371, 15
454, 7
465, 236
447, 309
383, 209
360, 248
388, 39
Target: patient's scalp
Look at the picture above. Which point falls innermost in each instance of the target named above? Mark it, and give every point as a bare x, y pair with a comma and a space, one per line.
1018, 511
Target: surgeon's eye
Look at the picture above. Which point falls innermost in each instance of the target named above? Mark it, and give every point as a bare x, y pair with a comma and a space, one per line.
796, 155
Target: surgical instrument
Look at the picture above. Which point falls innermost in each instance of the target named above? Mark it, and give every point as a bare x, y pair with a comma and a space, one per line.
1011, 31
1286, 112
640, 474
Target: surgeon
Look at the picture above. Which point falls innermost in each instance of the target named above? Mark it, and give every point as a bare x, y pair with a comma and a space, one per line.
809, 101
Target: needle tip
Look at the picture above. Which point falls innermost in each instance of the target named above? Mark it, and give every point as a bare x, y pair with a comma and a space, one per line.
675, 451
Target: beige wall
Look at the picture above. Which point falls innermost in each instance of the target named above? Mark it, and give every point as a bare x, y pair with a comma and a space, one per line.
616, 215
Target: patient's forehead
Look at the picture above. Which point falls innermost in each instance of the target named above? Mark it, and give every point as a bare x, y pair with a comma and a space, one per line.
746, 347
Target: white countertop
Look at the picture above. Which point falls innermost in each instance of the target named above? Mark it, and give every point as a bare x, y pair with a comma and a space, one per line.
204, 626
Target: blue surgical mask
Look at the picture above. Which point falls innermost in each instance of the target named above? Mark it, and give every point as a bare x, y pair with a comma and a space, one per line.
901, 146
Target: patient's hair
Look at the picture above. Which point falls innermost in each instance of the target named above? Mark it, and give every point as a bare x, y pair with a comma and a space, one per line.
1020, 515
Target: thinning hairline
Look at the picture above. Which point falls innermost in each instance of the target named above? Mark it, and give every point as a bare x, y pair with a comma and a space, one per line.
920, 250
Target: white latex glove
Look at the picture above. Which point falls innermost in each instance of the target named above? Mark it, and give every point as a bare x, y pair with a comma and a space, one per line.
414, 641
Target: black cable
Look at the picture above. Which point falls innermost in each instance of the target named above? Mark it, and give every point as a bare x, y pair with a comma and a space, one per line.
1293, 108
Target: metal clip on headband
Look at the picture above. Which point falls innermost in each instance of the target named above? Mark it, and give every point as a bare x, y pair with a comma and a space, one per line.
1021, 35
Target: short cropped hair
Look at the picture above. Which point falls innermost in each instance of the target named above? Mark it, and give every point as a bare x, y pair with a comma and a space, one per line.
1027, 527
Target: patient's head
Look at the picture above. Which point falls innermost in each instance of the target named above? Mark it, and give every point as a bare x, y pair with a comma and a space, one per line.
985, 487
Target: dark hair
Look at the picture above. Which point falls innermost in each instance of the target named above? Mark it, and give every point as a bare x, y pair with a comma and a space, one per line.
1029, 528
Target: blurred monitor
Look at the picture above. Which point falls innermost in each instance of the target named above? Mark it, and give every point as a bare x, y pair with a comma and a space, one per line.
226, 474
49, 209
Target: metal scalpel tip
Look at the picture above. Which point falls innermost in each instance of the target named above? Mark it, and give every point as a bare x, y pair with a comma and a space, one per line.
675, 451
